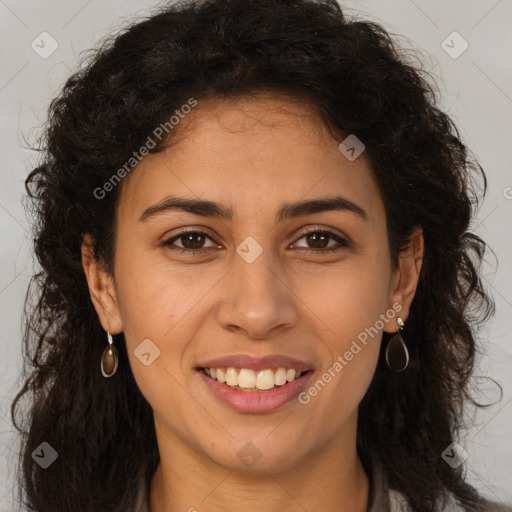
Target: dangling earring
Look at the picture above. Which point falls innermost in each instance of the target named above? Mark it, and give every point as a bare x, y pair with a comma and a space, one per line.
109, 359
397, 355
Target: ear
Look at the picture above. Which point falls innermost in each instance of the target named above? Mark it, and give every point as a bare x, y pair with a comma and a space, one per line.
101, 288
405, 279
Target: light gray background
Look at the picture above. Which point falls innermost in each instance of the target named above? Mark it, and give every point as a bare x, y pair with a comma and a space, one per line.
476, 90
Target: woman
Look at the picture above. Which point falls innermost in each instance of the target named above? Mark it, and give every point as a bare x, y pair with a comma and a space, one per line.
257, 285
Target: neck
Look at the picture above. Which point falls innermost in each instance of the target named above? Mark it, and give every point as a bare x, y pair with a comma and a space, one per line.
332, 479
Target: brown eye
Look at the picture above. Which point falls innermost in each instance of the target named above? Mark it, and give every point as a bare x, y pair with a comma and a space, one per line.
191, 242
318, 241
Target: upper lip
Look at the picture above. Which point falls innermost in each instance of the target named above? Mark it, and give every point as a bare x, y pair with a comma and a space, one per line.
256, 363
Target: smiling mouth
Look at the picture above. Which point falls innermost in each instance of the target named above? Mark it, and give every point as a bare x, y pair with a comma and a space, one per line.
246, 379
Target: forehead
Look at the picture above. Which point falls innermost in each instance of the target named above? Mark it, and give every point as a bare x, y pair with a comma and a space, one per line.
251, 154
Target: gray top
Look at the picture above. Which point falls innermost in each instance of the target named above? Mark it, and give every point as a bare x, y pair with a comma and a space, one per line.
381, 499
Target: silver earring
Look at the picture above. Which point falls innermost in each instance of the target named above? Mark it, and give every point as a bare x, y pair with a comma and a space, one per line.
397, 355
109, 359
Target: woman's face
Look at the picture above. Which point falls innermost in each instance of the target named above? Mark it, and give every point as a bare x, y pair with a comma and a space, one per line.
254, 283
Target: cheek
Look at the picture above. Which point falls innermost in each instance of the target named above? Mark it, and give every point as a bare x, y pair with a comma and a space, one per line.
353, 303
159, 307
154, 296
351, 297
150, 306
351, 349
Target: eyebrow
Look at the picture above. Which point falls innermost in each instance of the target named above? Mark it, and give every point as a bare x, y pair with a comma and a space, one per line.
206, 208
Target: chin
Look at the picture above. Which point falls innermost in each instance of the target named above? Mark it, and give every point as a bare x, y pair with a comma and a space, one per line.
258, 458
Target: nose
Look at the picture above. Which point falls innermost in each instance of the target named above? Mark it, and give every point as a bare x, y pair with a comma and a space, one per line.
258, 300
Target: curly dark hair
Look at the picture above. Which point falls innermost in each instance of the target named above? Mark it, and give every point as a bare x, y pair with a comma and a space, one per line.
359, 81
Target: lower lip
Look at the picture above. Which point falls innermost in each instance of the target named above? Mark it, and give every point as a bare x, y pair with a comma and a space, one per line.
256, 402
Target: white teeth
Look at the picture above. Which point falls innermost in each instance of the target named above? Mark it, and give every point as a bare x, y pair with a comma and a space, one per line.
247, 379
290, 375
231, 377
265, 379
280, 376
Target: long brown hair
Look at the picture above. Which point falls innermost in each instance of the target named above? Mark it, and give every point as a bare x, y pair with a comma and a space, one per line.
359, 82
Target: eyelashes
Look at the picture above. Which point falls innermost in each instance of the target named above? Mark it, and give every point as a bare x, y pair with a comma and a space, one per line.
315, 234
327, 233
190, 234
